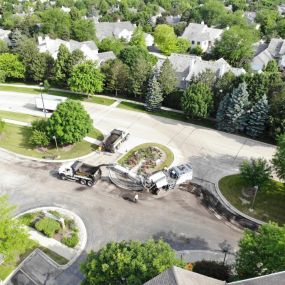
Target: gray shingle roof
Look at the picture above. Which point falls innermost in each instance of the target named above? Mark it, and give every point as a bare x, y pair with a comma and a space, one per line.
104, 56
270, 279
188, 66
201, 32
108, 29
179, 276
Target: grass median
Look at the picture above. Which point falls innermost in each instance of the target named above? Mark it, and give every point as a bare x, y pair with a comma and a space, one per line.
16, 139
166, 114
36, 91
269, 202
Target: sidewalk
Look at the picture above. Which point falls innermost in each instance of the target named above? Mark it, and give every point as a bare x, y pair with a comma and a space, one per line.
114, 105
53, 245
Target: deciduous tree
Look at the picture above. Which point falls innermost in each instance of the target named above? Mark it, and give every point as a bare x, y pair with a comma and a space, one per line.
167, 77
128, 263
279, 158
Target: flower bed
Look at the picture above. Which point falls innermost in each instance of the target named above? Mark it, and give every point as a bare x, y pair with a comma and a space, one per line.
53, 225
147, 158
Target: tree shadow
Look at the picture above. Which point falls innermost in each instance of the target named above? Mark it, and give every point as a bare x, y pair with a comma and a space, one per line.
181, 241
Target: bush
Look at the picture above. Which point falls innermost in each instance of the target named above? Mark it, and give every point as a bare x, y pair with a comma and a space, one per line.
69, 223
71, 241
40, 125
28, 218
255, 172
48, 226
2, 126
213, 269
39, 138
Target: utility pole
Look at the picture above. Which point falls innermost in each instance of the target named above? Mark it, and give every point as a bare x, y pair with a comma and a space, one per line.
44, 109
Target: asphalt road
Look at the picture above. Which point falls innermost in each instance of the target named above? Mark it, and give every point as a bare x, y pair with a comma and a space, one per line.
212, 153
178, 218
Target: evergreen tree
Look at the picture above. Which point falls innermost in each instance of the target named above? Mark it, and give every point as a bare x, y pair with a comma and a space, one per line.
61, 65
167, 77
154, 96
257, 118
232, 112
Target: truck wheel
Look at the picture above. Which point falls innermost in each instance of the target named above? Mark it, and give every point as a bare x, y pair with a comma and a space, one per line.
89, 183
62, 177
82, 181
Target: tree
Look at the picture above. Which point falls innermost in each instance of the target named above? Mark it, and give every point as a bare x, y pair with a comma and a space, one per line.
128, 262
279, 158
277, 117
76, 57
261, 252
3, 47
112, 44
83, 30
116, 76
268, 21
231, 115
197, 100
56, 23
61, 65
14, 237
165, 39
69, 123
16, 37
182, 45
274, 78
208, 77
167, 77
197, 50
131, 54
257, 118
139, 74
86, 78
154, 96
138, 38
212, 12
257, 86
235, 46
213, 269
255, 172
11, 66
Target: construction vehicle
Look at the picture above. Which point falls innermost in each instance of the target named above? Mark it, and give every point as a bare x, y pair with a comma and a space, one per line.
49, 102
165, 179
114, 140
81, 172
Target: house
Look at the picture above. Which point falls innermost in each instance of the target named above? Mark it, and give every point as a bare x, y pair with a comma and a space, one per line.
275, 50
179, 276
189, 66
149, 39
119, 30
172, 20
201, 35
4, 35
250, 16
158, 14
88, 48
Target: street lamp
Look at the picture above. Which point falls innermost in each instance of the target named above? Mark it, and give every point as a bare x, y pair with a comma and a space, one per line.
54, 137
254, 196
44, 109
225, 247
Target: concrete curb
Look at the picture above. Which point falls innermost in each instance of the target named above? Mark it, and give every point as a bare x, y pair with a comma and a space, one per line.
233, 209
79, 223
48, 160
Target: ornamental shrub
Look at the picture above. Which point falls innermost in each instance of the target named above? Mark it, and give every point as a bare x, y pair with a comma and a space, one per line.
71, 241
39, 138
48, 226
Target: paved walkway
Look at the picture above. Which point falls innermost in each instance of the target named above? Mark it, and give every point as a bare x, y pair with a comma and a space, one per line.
53, 244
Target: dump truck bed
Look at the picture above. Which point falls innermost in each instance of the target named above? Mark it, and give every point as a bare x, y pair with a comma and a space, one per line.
115, 134
87, 169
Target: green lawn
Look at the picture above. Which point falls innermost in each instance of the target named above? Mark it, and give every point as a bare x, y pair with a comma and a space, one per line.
166, 114
169, 154
17, 116
269, 203
16, 139
96, 134
93, 99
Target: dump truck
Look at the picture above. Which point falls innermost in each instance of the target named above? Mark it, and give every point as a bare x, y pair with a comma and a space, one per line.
81, 172
49, 102
114, 140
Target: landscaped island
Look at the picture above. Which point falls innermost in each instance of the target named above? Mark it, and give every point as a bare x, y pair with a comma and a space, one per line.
147, 158
269, 202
